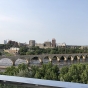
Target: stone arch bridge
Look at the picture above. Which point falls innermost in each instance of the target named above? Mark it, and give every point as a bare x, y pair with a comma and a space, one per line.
51, 57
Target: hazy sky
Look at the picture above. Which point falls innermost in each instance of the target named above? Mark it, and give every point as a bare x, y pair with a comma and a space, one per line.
42, 20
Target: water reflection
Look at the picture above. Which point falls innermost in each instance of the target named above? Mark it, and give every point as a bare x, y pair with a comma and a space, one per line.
46, 60
34, 62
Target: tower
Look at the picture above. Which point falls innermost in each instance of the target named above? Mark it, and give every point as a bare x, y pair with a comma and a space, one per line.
53, 43
32, 42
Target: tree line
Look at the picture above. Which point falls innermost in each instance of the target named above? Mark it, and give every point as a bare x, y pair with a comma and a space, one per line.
25, 50
74, 73
58, 50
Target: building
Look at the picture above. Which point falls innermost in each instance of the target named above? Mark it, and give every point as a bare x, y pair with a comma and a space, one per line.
22, 44
13, 43
12, 50
83, 47
47, 44
40, 45
32, 43
53, 43
62, 45
73, 46
5, 41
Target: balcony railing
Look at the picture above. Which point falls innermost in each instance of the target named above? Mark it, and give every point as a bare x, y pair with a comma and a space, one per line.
23, 82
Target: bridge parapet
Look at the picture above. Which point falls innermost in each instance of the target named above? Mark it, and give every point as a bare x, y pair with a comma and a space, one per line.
38, 83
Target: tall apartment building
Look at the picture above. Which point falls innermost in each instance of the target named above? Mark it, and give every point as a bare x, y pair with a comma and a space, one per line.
13, 43
32, 43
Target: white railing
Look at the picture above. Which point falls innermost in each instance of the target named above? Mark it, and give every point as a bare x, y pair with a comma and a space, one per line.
39, 83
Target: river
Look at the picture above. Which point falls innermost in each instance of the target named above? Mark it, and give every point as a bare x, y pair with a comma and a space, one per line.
7, 62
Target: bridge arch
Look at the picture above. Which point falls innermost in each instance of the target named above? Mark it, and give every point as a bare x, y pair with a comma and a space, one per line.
76, 59
6, 61
35, 60
20, 61
83, 58
55, 59
63, 58
47, 59
70, 59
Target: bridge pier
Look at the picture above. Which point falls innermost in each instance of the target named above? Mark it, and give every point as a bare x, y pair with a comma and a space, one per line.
72, 60
84, 58
50, 59
58, 59
41, 61
65, 60
28, 62
78, 59
13, 63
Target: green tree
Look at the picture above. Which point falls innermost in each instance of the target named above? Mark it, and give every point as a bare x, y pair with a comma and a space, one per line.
11, 71
0, 53
74, 73
23, 50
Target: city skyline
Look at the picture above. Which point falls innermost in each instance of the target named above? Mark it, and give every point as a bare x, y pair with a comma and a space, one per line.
48, 41
42, 20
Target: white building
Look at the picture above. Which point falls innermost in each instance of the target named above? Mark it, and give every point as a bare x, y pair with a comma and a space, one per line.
12, 50
62, 44
5, 41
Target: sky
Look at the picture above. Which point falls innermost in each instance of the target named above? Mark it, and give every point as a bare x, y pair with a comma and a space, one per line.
42, 20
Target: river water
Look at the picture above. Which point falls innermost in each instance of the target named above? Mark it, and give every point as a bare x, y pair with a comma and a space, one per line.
7, 62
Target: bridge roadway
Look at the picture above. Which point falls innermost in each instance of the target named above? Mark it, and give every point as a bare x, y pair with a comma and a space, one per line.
50, 57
